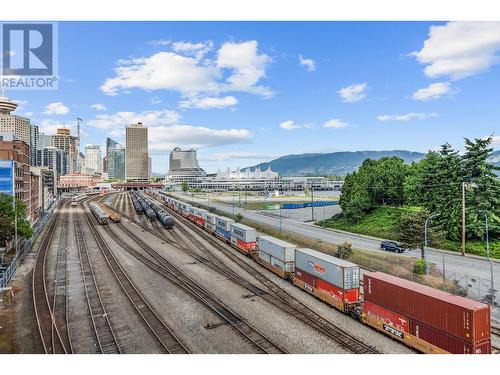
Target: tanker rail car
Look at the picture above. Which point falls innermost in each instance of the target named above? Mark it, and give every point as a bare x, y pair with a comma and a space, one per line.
404, 310
101, 216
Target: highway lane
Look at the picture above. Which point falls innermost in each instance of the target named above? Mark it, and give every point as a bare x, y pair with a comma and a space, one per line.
471, 272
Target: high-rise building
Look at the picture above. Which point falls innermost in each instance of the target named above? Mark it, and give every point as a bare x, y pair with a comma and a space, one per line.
15, 169
136, 153
13, 124
63, 140
93, 159
34, 140
116, 162
56, 160
110, 145
184, 166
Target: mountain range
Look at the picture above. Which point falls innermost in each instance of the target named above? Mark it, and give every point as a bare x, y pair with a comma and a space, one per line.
339, 163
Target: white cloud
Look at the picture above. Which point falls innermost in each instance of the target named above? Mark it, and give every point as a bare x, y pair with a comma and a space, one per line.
236, 67
98, 107
290, 125
159, 42
310, 64
57, 108
222, 156
50, 126
353, 93
406, 117
28, 114
335, 124
163, 70
164, 138
433, 91
198, 50
207, 102
247, 65
156, 100
121, 119
460, 49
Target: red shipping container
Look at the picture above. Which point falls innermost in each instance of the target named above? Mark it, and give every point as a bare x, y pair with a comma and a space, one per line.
387, 316
305, 277
457, 316
246, 246
447, 342
351, 295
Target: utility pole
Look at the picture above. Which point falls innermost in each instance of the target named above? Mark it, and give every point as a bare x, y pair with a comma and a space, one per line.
312, 202
463, 218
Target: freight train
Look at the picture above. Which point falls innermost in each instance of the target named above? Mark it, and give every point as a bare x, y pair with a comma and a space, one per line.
143, 204
424, 318
101, 216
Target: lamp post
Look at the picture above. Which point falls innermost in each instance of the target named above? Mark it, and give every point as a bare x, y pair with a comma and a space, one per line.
424, 250
233, 205
312, 202
492, 282
280, 218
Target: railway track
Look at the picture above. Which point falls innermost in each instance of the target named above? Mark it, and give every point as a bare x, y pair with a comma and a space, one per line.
49, 333
495, 331
279, 297
105, 336
60, 301
179, 278
166, 338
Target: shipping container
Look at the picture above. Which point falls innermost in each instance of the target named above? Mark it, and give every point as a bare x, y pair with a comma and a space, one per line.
277, 248
223, 233
224, 223
210, 218
245, 247
266, 258
338, 272
331, 290
243, 232
306, 278
398, 321
463, 318
447, 342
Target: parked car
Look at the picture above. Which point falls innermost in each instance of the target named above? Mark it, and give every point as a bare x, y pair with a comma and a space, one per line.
392, 246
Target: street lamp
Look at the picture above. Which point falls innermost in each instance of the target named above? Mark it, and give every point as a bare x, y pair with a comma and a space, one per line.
492, 287
424, 250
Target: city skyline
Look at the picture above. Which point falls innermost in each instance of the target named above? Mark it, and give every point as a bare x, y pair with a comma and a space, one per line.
232, 90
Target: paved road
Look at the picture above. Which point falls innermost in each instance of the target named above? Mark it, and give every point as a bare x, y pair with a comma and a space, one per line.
467, 270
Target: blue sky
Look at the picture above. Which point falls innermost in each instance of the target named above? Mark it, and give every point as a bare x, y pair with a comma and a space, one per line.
246, 92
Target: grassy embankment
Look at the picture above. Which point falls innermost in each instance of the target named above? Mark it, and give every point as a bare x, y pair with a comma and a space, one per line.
383, 223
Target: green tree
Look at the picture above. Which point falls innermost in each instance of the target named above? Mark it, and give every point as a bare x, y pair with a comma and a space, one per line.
185, 186
355, 199
238, 218
7, 218
485, 197
411, 229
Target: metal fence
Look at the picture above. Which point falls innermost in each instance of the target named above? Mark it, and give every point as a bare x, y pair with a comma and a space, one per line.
25, 245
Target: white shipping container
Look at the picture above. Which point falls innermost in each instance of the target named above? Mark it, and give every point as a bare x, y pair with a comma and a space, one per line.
243, 232
265, 257
279, 249
224, 223
338, 272
210, 218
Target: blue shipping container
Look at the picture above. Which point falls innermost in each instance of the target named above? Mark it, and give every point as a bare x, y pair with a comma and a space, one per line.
224, 233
